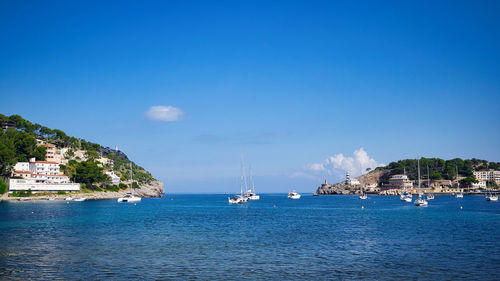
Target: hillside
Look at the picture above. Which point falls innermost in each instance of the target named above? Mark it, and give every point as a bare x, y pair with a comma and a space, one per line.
83, 161
439, 169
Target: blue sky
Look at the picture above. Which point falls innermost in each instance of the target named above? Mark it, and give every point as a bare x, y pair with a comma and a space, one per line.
288, 83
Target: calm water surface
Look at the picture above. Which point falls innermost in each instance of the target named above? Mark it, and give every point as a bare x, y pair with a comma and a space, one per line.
202, 237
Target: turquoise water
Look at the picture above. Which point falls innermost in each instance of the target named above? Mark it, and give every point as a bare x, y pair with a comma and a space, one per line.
188, 237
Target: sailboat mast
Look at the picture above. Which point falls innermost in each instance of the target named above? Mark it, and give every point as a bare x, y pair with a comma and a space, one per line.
428, 178
418, 165
242, 175
456, 172
252, 184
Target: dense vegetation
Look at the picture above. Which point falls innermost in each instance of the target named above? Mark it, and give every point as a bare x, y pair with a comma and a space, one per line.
438, 168
18, 144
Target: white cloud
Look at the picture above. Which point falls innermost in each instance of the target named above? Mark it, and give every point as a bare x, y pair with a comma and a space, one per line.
338, 164
164, 113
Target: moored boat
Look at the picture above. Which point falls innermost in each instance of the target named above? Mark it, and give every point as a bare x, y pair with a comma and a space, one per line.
293, 195
491, 197
421, 202
129, 198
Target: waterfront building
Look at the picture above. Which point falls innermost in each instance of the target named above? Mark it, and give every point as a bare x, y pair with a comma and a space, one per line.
479, 185
488, 175
400, 181
40, 176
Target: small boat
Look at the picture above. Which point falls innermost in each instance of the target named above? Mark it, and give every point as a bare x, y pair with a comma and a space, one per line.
129, 198
363, 195
69, 198
293, 195
459, 194
51, 199
80, 199
421, 202
491, 197
237, 199
430, 196
250, 193
406, 197
23, 199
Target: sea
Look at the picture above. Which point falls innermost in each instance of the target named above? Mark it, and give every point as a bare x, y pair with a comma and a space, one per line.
202, 237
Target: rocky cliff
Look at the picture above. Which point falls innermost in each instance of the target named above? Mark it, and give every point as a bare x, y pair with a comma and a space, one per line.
152, 189
370, 179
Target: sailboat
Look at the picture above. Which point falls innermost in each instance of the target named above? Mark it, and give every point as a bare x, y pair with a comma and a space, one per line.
406, 196
490, 196
430, 196
250, 193
420, 202
459, 193
363, 195
240, 198
130, 197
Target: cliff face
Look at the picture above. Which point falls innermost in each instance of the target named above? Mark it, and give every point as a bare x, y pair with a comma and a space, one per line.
369, 179
152, 189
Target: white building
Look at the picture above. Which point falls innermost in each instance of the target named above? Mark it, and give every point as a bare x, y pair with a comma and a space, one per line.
40, 176
114, 178
350, 181
400, 181
16, 185
489, 175
480, 184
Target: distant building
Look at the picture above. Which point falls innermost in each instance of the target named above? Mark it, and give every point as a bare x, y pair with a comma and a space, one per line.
350, 181
40, 176
489, 175
50, 154
8, 124
480, 184
114, 178
401, 182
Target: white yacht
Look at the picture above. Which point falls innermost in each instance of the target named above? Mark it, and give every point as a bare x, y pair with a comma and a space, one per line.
293, 195
129, 198
430, 196
250, 193
491, 197
237, 199
80, 199
69, 198
406, 197
241, 198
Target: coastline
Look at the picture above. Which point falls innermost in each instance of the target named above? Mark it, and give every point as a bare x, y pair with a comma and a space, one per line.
150, 190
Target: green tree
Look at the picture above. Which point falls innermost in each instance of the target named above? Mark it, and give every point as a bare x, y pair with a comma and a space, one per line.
89, 172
